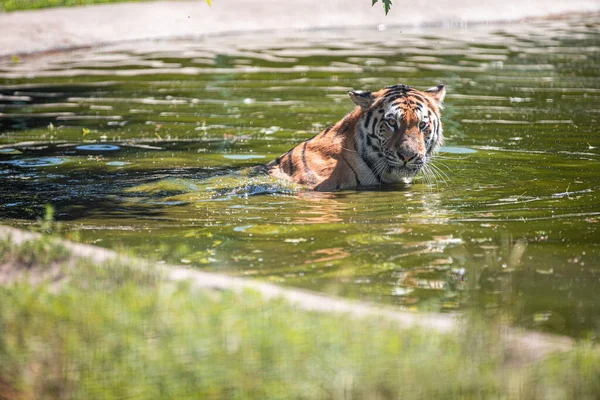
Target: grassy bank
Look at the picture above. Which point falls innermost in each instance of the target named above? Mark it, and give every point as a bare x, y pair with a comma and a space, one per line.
15, 5
117, 331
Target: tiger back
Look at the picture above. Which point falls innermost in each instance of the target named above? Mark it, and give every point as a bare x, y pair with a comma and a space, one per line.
389, 137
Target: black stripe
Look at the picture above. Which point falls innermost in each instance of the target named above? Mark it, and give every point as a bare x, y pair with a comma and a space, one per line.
394, 98
393, 92
396, 92
361, 135
419, 98
362, 155
291, 164
368, 119
326, 131
353, 171
368, 162
398, 86
373, 145
376, 140
307, 171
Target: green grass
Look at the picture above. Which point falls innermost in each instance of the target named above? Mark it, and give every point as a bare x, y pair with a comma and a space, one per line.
14, 5
116, 331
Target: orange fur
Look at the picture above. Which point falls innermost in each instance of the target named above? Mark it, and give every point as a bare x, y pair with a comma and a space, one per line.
383, 140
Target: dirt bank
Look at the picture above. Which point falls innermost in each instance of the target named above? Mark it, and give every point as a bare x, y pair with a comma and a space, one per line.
524, 346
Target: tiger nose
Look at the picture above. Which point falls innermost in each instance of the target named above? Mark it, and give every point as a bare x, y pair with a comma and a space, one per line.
408, 158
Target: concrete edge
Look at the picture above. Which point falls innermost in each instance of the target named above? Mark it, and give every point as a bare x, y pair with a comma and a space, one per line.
523, 346
68, 28
5, 55
199, 36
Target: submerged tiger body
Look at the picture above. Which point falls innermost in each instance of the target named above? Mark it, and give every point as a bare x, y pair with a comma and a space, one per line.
389, 137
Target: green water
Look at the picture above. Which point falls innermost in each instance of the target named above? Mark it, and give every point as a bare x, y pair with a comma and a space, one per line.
510, 225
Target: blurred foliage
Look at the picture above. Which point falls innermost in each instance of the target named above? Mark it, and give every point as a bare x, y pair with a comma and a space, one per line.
36, 253
117, 330
15, 5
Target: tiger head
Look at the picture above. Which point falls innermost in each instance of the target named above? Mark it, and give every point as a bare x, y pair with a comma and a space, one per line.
399, 129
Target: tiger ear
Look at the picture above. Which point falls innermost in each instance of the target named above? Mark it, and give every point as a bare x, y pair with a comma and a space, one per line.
437, 93
361, 98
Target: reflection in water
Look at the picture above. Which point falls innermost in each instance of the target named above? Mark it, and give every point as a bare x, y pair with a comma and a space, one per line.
327, 255
98, 147
320, 208
145, 145
35, 162
510, 279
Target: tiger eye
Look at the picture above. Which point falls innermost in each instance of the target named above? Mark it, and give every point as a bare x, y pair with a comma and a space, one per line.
422, 125
391, 121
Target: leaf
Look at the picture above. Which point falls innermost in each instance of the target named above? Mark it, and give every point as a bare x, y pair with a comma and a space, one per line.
386, 5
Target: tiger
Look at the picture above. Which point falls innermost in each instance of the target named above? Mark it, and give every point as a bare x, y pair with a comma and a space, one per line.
388, 137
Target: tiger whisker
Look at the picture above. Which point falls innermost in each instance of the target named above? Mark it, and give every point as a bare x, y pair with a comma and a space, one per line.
440, 179
442, 164
428, 178
431, 169
444, 176
379, 166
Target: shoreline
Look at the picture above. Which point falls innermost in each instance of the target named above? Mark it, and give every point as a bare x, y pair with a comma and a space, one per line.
64, 29
524, 345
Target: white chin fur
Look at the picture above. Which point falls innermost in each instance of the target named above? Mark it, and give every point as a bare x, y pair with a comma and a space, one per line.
404, 176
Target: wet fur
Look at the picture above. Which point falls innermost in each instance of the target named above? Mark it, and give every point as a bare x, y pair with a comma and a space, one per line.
364, 149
